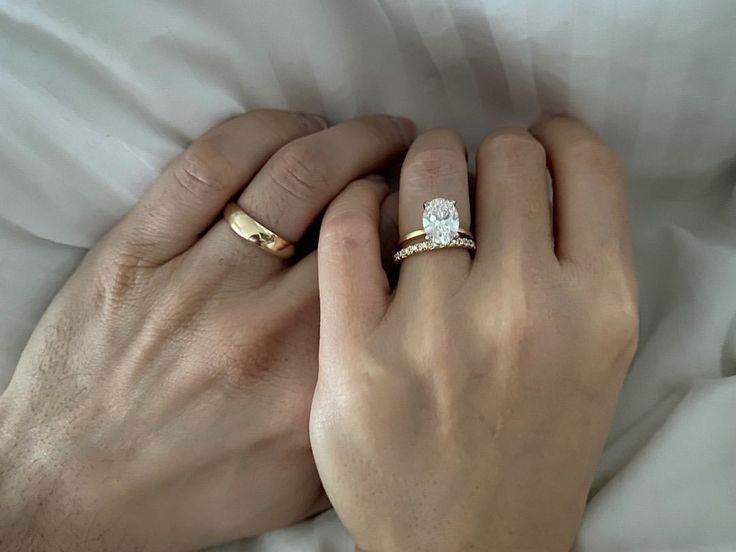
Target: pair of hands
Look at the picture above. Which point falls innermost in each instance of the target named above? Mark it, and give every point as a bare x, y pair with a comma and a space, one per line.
167, 399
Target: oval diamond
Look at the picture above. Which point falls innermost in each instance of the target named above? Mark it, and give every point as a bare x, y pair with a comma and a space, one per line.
441, 221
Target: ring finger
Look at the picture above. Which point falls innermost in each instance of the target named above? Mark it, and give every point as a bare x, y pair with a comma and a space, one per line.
435, 167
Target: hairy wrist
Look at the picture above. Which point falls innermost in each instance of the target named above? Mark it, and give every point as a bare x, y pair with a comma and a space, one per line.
50, 501
28, 489
19, 501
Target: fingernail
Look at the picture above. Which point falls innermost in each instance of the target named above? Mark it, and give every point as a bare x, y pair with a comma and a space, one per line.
314, 123
407, 128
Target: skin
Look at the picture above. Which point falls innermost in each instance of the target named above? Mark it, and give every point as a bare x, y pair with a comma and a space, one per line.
467, 408
162, 403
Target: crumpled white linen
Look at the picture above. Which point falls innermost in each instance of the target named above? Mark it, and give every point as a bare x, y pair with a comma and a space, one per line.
97, 97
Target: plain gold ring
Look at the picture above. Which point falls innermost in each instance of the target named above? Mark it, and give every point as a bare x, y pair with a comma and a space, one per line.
253, 231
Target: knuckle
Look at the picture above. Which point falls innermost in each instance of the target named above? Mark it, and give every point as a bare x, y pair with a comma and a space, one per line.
144, 223
118, 277
622, 320
433, 165
343, 231
279, 124
135, 240
595, 154
511, 142
203, 170
298, 171
616, 312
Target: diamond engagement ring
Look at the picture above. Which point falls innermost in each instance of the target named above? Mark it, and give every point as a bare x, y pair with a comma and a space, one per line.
441, 223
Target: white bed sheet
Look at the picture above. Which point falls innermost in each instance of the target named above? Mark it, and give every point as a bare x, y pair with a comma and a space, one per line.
97, 97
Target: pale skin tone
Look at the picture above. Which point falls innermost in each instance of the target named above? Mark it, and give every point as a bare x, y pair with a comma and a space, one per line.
163, 402
467, 408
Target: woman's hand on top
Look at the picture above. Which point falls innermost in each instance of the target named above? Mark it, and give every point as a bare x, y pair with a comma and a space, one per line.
467, 408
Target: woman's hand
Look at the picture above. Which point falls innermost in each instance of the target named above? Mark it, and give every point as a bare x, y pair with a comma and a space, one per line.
467, 409
163, 400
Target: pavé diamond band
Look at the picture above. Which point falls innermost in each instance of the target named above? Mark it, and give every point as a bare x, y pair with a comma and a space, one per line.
441, 222
421, 247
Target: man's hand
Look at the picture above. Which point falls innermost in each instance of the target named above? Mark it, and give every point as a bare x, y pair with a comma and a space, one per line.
162, 403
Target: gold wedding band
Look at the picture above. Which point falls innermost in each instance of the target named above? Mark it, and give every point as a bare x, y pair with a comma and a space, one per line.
253, 231
406, 238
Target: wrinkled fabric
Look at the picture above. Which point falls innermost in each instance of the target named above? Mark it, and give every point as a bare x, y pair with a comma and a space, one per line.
96, 98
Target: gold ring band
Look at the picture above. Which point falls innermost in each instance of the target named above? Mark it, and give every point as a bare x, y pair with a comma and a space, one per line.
422, 234
423, 246
253, 231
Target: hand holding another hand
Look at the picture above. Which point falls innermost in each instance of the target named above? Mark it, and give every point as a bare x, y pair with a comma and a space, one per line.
467, 408
163, 402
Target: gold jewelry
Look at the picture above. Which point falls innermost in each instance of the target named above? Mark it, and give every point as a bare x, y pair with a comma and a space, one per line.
441, 222
250, 229
422, 234
421, 247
